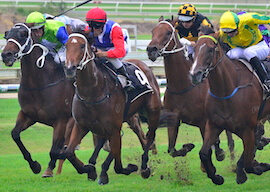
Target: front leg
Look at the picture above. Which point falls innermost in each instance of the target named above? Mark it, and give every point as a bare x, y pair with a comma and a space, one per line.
76, 136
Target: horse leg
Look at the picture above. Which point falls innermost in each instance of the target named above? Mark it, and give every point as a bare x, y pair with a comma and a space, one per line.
69, 127
75, 138
92, 161
230, 144
22, 123
220, 154
58, 144
261, 141
135, 125
247, 159
210, 137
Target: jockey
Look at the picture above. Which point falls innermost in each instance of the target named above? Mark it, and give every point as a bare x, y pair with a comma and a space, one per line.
109, 40
71, 23
242, 34
52, 34
189, 21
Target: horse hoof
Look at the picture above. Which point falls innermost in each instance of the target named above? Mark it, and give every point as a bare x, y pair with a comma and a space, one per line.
218, 180
47, 173
132, 167
188, 146
91, 172
146, 173
241, 176
103, 180
36, 167
220, 155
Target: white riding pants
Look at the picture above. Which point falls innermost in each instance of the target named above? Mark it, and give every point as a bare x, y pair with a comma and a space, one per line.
261, 50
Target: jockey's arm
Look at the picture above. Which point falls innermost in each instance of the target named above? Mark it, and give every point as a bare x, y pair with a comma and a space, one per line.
62, 35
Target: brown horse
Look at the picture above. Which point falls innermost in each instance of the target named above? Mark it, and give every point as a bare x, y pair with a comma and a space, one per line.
233, 103
181, 97
99, 106
39, 95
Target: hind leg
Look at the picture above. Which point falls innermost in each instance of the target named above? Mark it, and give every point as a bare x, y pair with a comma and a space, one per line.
58, 144
115, 144
135, 125
210, 137
22, 123
247, 163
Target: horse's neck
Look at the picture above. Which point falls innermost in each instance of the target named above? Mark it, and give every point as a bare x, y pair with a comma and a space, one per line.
34, 75
90, 81
177, 67
224, 78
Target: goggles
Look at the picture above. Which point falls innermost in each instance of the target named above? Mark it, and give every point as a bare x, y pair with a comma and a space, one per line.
96, 25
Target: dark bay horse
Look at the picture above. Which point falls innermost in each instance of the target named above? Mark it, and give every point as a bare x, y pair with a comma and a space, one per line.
41, 82
181, 97
39, 95
233, 103
99, 106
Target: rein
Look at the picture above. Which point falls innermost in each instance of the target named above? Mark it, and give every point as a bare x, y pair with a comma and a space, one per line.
210, 68
41, 60
174, 49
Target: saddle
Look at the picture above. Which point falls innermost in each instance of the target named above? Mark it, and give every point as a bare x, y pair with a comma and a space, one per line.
137, 76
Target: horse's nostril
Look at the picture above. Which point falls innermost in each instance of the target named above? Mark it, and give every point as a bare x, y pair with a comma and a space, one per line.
6, 54
73, 67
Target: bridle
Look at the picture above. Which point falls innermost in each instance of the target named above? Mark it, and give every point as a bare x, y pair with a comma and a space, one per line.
29, 42
86, 56
172, 38
210, 67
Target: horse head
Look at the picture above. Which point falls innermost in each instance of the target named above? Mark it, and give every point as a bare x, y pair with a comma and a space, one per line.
163, 38
19, 42
206, 51
78, 52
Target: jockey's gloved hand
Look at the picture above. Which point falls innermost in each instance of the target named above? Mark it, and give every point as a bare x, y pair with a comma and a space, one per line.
184, 41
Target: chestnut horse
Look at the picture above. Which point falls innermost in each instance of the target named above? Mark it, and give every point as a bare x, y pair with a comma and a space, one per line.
42, 81
181, 97
233, 103
99, 106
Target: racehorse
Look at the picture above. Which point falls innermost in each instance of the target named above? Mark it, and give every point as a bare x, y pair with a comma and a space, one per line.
233, 103
99, 106
181, 97
41, 82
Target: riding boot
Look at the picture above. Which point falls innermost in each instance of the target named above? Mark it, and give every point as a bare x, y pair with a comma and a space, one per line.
122, 71
261, 72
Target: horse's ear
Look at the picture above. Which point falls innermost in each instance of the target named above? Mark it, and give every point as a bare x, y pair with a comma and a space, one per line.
161, 18
29, 25
172, 18
216, 35
6, 34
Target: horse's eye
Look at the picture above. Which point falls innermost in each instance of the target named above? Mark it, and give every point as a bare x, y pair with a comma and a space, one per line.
82, 46
169, 33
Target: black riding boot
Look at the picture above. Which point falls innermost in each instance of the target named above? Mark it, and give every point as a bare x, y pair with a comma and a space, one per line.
258, 66
122, 71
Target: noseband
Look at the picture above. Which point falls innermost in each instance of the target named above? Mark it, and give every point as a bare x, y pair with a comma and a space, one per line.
29, 42
174, 49
86, 56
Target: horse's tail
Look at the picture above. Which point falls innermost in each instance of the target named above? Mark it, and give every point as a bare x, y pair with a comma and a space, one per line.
167, 118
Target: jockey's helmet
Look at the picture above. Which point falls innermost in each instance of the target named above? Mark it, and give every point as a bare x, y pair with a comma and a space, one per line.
186, 12
37, 18
96, 17
228, 22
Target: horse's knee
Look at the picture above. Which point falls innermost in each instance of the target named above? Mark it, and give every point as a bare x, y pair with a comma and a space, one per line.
15, 134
